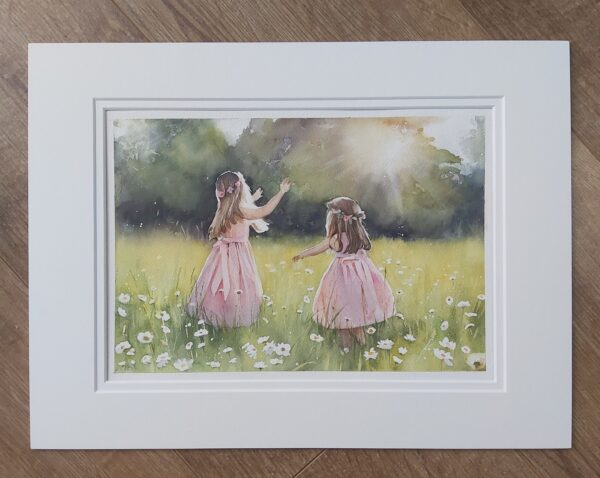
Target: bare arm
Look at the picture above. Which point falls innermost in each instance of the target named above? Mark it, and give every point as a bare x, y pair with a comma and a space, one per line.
314, 250
264, 211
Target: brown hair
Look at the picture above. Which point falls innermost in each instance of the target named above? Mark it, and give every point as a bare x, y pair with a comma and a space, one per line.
228, 189
344, 215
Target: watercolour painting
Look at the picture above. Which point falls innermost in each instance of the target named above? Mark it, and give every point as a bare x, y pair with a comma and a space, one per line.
255, 244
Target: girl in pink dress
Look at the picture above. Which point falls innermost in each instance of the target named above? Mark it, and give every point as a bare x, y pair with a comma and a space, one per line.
228, 291
352, 293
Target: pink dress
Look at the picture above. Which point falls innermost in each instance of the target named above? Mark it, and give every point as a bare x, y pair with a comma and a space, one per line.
352, 293
228, 291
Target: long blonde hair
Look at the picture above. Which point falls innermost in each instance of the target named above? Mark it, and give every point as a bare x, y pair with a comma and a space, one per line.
232, 194
344, 215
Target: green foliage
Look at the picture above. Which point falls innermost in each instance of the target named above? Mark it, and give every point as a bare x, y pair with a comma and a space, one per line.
165, 172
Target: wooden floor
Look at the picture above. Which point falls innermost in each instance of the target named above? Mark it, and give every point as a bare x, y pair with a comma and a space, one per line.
23, 21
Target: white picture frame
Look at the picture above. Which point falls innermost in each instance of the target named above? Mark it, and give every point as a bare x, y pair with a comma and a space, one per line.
523, 400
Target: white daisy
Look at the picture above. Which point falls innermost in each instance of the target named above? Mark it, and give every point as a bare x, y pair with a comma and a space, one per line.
183, 364
402, 350
165, 329
400, 316
189, 345
233, 360
447, 343
310, 289
306, 299
269, 348
465, 349
124, 298
147, 359
468, 326
481, 297
276, 361
444, 325
201, 322
371, 354
397, 360
145, 337
259, 365
262, 340
470, 314
162, 359
385, 344
282, 349
122, 363
309, 271
213, 364
227, 350
371, 330
200, 333
409, 338
130, 352
463, 304
122, 347
439, 354
251, 351
476, 361
316, 338
142, 297
449, 300
121, 311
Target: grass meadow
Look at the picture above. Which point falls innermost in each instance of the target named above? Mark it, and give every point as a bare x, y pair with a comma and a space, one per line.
439, 325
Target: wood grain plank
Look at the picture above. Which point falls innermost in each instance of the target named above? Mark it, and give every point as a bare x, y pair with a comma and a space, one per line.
264, 463
125, 20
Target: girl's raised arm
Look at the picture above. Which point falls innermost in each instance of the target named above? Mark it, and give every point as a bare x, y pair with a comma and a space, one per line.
263, 211
314, 250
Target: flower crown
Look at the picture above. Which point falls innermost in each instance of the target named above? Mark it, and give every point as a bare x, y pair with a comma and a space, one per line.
348, 217
220, 193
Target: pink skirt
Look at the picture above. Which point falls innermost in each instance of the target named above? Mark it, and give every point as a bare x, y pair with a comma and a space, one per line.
228, 291
352, 293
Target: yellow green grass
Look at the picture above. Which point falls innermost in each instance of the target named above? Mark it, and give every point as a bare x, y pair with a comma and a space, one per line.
423, 274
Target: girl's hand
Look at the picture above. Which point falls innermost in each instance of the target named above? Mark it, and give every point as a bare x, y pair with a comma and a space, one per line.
297, 258
285, 185
257, 194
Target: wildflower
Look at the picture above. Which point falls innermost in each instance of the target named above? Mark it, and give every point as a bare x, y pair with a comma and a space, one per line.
465, 349
444, 325
165, 329
122, 347
371, 354
122, 363
400, 316
124, 298
409, 338
147, 359
400, 292
183, 364
310, 289
447, 343
402, 350
276, 361
282, 349
121, 311
142, 297
200, 333
397, 360
162, 359
213, 364
449, 300
233, 360
463, 304
259, 365
476, 361
145, 337
189, 345
385, 344
481, 297
177, 293
316, 338
262, 340
468, 326
130, 352
371, 330
309, 271
470, 314
227, 350
306, 299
